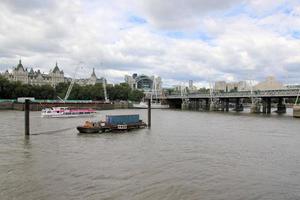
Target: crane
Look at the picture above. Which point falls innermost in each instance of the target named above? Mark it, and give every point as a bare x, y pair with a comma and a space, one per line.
104, 89
71, 84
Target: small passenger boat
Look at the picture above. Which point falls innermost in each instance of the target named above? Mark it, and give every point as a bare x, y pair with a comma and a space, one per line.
113, 123
65, 112
154, 105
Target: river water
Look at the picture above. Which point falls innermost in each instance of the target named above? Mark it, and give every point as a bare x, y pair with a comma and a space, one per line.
185, 155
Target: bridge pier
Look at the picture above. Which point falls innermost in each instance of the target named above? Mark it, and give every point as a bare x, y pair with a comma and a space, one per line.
267, 105
185, 104
207, 104
193, 104
227, 105
222, 105
238, 106
255, 107
281, 108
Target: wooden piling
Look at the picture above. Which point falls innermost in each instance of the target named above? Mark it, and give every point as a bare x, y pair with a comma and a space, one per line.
149, 113
26, 109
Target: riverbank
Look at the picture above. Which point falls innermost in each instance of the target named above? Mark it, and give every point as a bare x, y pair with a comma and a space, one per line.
37, 106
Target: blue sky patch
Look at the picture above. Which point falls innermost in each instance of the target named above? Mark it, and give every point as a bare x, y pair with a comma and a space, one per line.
136, 20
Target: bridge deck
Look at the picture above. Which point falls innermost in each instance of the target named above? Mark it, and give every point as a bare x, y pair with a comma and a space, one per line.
288, 93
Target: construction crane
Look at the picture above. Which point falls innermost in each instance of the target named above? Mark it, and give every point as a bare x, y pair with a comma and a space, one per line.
71, 84
104, 89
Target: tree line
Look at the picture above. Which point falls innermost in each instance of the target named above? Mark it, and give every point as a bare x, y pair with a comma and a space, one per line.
122, 91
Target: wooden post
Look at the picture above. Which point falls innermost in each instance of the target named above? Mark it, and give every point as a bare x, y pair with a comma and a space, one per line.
149, 113
27, 108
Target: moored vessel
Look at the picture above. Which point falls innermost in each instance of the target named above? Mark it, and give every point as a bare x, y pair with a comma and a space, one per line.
65, 112
113, 123
154, 105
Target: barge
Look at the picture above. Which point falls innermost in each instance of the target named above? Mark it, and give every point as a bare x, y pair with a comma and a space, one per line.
113, 123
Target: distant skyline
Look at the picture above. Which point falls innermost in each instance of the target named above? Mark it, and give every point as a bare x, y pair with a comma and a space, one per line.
178, 40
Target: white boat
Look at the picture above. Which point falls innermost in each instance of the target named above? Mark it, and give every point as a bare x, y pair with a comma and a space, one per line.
154, 105
65, 112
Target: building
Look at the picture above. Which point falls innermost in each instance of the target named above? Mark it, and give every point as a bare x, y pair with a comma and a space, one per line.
90, 81
145, 83
54, 77
269, 84
191, 87
231, 86
19, 73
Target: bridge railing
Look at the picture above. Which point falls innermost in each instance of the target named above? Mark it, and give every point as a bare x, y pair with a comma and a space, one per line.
241, 94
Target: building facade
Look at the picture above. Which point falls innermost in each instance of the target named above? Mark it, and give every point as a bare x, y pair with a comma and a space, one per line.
269, 84
145, 83
54, 77
231, 86
90, 81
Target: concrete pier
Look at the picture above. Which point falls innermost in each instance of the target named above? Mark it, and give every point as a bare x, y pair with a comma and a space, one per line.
238, 106
207, 105
267, 105
227, 105
281, 108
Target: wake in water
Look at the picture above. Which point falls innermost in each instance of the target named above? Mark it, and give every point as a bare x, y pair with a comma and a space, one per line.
52, 131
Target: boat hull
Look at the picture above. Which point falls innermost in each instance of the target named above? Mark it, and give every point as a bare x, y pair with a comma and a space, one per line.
67, 116
88, 130
153, 106
111, 128
65, 112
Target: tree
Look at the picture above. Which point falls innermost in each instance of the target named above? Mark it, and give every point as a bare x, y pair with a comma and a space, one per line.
136, 95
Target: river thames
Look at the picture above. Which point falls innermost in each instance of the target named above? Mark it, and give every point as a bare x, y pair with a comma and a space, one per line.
185, 155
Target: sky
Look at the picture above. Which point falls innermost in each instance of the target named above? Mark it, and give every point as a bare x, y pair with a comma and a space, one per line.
179, 40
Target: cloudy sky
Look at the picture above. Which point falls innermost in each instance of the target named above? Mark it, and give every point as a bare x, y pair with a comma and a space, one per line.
179, 40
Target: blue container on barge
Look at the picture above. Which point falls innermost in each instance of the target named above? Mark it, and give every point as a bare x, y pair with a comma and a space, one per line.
122, 119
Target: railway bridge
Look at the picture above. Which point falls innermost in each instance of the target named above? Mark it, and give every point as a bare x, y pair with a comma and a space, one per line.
260, 101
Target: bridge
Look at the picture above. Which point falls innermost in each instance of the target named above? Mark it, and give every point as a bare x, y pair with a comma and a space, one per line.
261, 101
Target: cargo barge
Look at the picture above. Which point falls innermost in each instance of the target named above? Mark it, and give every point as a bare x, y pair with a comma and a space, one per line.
113, 123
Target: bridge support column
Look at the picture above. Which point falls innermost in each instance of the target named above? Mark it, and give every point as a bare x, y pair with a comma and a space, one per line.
238, 106
281, 108
185, 104
197, 106
207, 104
193, 104
269, 105
227, 105
222, 105
264, 102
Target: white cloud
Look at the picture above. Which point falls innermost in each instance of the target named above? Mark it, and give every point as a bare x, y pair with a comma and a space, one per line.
99, 33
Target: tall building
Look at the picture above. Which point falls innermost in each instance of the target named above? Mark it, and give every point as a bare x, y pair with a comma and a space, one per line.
54, 77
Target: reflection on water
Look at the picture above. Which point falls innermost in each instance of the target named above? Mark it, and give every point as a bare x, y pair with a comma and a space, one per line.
185, 155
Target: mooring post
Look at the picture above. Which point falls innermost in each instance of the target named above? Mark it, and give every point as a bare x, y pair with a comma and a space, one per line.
149, 113
27, 108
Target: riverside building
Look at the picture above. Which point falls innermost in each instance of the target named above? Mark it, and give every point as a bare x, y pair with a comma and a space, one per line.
144, 82
54, 77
